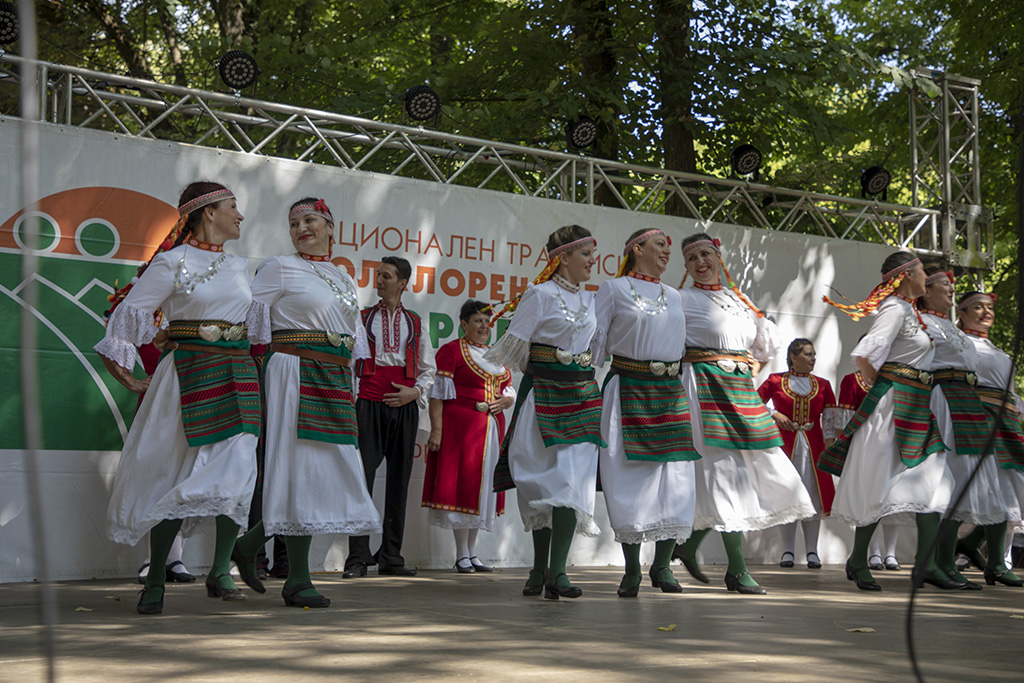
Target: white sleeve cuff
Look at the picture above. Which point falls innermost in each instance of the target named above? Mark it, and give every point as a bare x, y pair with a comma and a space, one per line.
120, 352
766, 342
874, 349
443, 388
258, 322
361, 351
511, 351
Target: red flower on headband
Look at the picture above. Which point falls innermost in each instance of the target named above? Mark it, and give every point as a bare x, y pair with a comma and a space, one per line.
994, 297
669, 240
321, 206
717, 242
949, 274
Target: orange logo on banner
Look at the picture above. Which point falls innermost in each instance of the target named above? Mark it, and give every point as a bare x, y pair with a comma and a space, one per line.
96, 222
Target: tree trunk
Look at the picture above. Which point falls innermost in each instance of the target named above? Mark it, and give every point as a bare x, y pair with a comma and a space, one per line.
171, 36
231, 21
675, 84
121, 35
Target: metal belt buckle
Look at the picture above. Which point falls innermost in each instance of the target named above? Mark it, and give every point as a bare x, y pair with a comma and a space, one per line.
971, 378
334, 339
210, 333
727, 365
657, 367
563, 356
744, 368
482, 406
233, 333
924, 376
584, 359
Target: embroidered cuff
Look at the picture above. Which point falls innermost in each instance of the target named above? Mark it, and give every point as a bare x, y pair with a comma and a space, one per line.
443, 388
511, 351
258, 321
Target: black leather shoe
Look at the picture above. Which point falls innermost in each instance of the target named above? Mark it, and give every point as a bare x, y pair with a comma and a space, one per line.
893, 565
535, 588
247, 570
293, 599
181, 575
690, 562
355, 571
552, 591
787, 563
395, 570
937, 579
813, 561
967, 585
480, 566
852, 575
464, 570
732, 582
992, 576
666, 582
629, 591
150, 607
215, 590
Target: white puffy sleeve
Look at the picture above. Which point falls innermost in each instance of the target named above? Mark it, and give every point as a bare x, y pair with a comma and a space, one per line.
131, 324
766, 342
875, 345
513, 349
267, 287
604, 305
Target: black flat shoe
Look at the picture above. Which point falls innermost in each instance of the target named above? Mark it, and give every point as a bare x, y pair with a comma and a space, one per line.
852, 575
967, 585
151, 607
355, 571
733, 584
552, 591
939, 580
535, 589
971, 554
992, 576
667, 584
293, 599
215, 590
874, 564
464, 570
480, 566
629, 591
893, 566
179, 575
815, 563
247, 570
787, 564
395, 570
690, 562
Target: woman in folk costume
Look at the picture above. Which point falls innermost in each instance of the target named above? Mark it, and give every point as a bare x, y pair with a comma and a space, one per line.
853, 389
307, 310
744, 482
890, 456
995, 368
191, 451
803, 407
550, 450
467, 424
963, 423
647, 468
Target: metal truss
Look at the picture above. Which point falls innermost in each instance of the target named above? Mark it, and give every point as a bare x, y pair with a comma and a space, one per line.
134, 107
946, 171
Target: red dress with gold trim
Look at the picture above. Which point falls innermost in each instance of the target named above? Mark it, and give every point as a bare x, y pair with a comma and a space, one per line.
852, 391
455, 473
805, 410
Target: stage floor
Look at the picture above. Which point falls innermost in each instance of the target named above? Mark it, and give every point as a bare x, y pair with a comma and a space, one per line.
446, 626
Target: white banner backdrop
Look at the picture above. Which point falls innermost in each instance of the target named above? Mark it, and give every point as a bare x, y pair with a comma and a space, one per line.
462, 243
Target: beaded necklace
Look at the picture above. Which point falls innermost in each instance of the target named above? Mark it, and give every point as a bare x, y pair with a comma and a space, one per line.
648, 306
348, 298
187, 283
313, 257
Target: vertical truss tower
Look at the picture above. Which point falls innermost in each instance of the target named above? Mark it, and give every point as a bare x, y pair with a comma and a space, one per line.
944, 146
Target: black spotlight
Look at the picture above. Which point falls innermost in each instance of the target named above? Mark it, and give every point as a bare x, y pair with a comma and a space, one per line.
746, 160
421, 103
238, 69
874, 181
8, 23
581, 133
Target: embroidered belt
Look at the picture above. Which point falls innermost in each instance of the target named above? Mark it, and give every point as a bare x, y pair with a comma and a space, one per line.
643, 369
219, 350
729, 360
310, 354
907, 374
313, 338
207, 330
947, 375
542, 353
559, 375
995, 397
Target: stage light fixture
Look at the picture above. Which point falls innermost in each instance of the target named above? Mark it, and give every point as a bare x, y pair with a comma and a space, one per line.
9, 26
581, 133
874, 181
238, 69
746, 160
421, 103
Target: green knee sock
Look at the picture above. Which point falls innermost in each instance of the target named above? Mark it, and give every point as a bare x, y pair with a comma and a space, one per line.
693, 542
161, 538
249, 543
663, 553
733, 541
927, 532
631, 551
973, 540
298, 564
995, 538
859, 552
541, 549
563, 526
227, 533
945, 556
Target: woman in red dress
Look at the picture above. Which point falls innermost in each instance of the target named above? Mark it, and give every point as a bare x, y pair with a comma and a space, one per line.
803, 407
467, 424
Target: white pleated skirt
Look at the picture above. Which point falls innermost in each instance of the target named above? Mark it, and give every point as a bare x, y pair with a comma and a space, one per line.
161, 477
546, 478
309, 487
875, 483
647, 501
